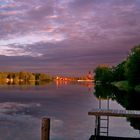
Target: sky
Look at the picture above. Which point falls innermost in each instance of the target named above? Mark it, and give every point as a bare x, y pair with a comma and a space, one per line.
66, 37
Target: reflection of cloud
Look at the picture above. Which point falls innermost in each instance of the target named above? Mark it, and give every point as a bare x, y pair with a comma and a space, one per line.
57, 127
19, 127
13, 107
18, 122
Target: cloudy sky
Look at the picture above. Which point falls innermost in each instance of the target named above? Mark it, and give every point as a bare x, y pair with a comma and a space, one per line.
67, 37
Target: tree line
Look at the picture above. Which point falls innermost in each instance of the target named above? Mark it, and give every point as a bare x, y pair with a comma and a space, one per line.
23, 76
127, 70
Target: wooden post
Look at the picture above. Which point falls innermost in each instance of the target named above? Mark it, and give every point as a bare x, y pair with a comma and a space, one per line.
45, 129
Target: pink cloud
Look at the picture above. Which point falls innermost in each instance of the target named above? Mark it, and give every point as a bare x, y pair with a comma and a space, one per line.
92, 31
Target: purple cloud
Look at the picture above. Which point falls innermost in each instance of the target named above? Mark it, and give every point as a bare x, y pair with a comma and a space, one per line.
66, 37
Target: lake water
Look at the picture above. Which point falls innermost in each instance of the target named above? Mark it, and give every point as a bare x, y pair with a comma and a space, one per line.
22, 107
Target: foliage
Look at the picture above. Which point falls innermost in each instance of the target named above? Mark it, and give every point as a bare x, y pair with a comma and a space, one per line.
132, 70
126, 77
22, 77
103, 74
3, 75
128, 70
44, 77
119, 72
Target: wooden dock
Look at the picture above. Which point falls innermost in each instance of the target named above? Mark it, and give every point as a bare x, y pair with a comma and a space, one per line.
102, 115
111, 138
115, 113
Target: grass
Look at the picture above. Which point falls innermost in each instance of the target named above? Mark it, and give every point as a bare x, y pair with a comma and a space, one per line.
137, 88
123, 85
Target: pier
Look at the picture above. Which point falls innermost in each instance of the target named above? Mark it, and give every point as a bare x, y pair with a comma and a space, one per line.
111, 138
102, 114
102, 132
115, 113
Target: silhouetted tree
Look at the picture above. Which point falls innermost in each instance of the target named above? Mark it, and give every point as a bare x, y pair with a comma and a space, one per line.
119, 72
103, 74
132, 70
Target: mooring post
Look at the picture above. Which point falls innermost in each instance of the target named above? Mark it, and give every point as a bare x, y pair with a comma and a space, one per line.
45, 129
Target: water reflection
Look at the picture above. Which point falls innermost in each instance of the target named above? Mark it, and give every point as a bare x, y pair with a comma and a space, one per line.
67, 104
104, 91
58, 83
128, 99
22, 108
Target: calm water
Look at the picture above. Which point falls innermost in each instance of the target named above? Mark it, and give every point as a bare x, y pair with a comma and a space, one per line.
22, 107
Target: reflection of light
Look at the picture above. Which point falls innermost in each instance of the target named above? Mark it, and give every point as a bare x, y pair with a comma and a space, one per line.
89, 85
61, 82
57, 83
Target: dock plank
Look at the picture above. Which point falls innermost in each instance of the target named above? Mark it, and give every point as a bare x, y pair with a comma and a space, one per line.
111, 138
115, 113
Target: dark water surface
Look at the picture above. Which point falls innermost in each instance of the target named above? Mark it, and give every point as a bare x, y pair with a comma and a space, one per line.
22, 107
